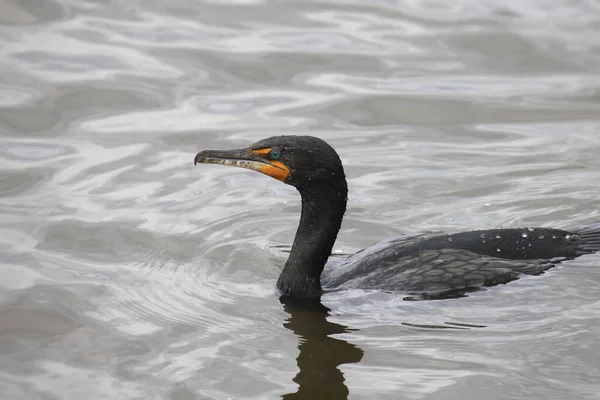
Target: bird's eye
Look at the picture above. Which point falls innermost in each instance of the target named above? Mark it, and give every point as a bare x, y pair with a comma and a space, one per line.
275, 154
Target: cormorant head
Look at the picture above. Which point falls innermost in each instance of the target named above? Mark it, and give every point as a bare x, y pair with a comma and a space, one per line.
305, 162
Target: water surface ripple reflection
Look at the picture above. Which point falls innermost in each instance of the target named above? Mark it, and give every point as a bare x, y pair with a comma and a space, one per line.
126, 273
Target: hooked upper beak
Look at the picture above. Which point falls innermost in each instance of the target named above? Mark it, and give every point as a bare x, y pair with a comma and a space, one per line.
245, 158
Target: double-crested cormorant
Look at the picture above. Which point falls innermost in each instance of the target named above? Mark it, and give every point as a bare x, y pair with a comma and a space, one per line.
428, 264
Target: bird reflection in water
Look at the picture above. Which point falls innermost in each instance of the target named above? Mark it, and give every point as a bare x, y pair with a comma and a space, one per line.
320, 354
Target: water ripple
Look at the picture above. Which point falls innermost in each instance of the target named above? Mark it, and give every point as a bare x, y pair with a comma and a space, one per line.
127, 269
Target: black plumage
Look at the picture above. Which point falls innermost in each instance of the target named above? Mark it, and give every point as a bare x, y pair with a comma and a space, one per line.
433, 265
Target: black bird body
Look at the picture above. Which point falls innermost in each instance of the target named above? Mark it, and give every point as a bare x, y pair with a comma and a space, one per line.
429, 264
437, 263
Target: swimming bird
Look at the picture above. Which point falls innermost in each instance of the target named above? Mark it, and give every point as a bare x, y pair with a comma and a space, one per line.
432, 265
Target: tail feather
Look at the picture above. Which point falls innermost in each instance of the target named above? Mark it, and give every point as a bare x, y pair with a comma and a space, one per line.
589, 241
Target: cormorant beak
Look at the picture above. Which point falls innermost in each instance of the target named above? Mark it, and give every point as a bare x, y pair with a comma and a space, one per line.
256, 160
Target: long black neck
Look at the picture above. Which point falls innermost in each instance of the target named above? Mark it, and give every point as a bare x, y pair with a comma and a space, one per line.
322, 212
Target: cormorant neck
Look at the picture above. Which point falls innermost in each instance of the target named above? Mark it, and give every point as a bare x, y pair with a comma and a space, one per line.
322, 212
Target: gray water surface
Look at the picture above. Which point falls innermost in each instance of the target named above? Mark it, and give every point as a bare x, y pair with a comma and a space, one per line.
128, 273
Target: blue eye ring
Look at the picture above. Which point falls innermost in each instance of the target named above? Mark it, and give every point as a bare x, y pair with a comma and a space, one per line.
275, 154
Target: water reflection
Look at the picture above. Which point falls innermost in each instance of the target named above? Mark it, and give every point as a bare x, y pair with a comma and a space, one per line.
320, 354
